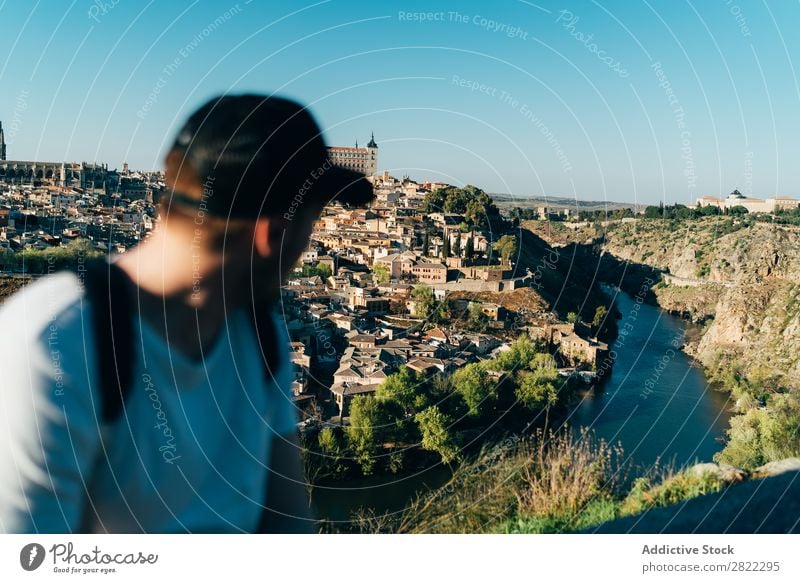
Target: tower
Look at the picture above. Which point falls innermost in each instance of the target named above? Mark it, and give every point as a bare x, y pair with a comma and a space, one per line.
372, 156
2, 143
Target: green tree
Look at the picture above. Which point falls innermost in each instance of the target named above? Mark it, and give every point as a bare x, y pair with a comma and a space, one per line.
573, 318
506, 246
519, 356
738, 211
472, 202
538, 389
436, 437
69, 256
653, 212
434, 200
404, 388
473, 384
457, 246
445, 247
542, 360
600, 314
456, 201
366, 432
426, 244
332, 451
424, 301
477, 319
708, 210
381, 273
764, 434
324, 270
469, 248
475, 213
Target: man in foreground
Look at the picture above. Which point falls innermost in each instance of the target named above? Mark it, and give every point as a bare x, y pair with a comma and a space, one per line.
201, 439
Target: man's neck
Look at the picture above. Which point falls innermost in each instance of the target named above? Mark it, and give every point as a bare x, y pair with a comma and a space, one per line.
180, 292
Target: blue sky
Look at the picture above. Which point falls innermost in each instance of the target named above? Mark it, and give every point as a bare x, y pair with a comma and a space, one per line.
613, 100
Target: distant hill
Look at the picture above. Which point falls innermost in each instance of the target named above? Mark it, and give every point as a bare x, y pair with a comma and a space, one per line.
558, 202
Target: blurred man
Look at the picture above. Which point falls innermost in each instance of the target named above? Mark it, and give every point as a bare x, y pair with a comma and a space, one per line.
153, 395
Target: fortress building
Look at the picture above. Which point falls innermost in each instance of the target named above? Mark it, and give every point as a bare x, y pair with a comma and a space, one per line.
82, 174
364, 160
753, 205
85, 175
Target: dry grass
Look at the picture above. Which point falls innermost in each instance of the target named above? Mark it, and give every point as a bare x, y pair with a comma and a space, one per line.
548, 478
567, 475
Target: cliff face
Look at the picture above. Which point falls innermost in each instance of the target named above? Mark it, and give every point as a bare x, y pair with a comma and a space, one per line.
746, 279
741, 278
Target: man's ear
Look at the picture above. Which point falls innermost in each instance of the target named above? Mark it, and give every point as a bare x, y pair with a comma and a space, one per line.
268, 236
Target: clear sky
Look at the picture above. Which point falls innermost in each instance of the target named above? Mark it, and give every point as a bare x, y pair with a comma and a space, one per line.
613, 100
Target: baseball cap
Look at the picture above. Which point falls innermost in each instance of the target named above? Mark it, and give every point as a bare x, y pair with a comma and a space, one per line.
262, 155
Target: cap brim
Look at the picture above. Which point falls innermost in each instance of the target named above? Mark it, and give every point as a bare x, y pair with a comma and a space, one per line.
346, 186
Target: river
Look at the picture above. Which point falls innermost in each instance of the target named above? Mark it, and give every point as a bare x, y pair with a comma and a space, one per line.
655, 402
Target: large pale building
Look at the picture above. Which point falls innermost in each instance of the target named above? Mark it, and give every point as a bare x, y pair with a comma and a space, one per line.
364, 160
83, 174
753, 205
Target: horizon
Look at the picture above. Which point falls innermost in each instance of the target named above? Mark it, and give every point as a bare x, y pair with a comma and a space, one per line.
612, 102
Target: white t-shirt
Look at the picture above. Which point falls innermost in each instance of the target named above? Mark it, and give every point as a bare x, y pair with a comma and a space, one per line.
189, 454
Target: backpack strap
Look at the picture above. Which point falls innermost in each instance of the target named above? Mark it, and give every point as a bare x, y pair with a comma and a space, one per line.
264, 323
108, 293
267, 336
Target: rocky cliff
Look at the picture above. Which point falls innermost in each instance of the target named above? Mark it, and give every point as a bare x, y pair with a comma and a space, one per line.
746, 280
740, 278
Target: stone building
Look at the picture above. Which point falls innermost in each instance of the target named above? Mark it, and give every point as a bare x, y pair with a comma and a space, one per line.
364, 160
753, 205
81, 174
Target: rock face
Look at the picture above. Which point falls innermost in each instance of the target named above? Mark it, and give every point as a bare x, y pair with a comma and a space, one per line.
778, 467
724, 472
771, 505
741, 278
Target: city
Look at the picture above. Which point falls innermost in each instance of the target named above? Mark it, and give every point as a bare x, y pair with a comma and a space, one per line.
328, 270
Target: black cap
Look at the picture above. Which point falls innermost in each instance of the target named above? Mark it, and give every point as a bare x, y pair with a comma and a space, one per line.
263, 155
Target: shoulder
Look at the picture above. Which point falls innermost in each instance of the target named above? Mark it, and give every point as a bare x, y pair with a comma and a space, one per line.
46, 341
32, 311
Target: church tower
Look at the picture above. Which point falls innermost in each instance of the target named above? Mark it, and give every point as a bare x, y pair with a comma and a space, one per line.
372, 157
2, 143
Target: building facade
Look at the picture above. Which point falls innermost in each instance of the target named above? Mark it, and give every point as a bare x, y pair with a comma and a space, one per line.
364, 160
82, 174
753, 205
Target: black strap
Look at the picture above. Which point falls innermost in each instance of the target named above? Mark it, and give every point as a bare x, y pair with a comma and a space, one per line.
107, 289
267, 339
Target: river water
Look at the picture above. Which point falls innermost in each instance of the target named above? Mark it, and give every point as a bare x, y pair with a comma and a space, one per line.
654, 401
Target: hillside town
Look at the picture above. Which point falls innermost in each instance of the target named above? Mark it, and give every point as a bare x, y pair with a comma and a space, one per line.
419, 280
423, 279
403, 283
363, 302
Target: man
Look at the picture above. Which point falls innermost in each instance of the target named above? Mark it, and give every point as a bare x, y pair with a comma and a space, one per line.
206, 441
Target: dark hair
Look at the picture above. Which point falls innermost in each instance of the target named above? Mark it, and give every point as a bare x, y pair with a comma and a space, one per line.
263, 155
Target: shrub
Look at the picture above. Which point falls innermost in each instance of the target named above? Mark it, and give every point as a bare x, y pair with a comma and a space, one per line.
672, 489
